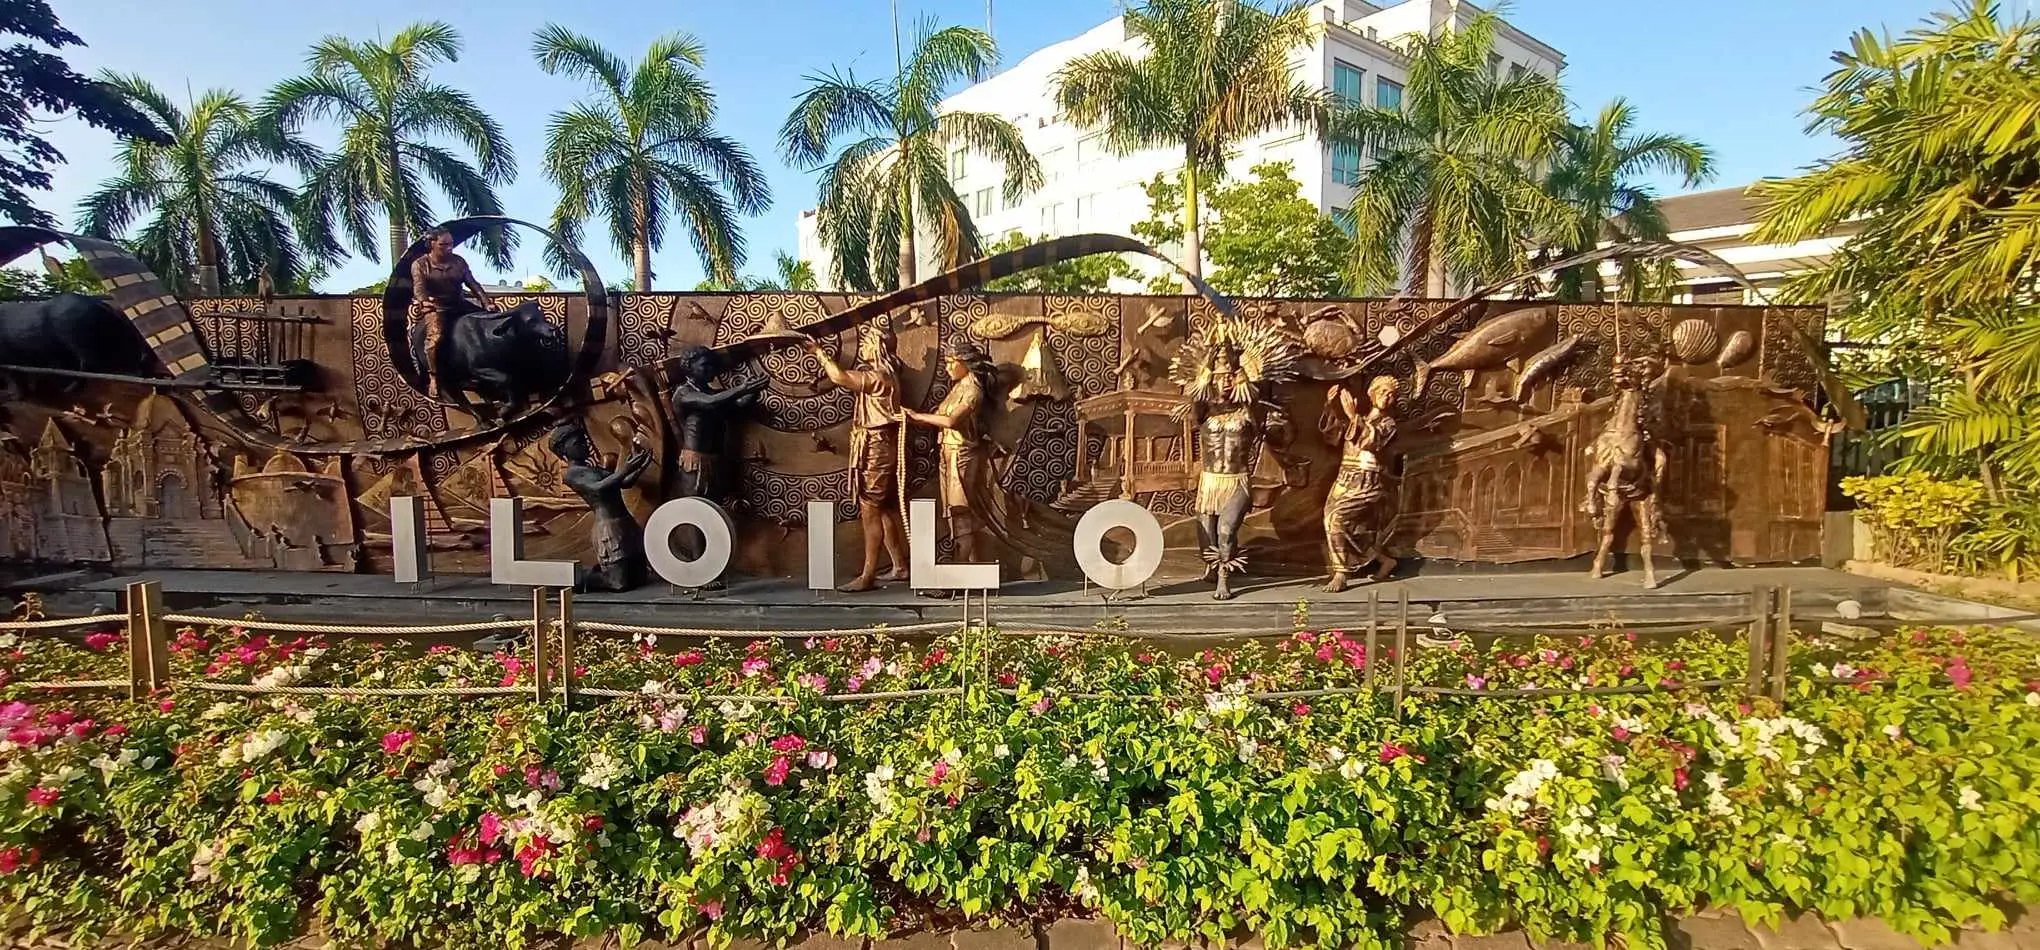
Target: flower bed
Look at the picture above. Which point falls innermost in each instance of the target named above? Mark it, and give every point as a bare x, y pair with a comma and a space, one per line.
1904, 783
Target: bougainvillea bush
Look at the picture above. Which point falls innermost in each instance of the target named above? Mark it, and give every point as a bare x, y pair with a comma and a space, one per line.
1901, 780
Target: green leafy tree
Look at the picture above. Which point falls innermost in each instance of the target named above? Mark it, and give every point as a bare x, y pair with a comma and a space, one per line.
790, 273
390, 113
1084, 275
72, 276
1450, 194
892, 175
33, 82
1267, 240
1215, 72
210, 218
1937, 176
1595, 175
1163, 228
647, 152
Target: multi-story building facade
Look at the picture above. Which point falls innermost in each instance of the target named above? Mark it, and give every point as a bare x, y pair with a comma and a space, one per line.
1086, 188
1723, 221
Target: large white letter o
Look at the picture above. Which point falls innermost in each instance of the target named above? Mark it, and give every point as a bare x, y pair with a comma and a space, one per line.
1147, 544
717, 534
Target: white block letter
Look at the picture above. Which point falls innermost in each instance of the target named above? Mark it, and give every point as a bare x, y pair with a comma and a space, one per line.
718, 537
407, 539
821, 545
506, 551
1147, 544
928, 575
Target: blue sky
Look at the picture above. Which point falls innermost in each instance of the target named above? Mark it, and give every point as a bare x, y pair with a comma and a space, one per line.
1733, 73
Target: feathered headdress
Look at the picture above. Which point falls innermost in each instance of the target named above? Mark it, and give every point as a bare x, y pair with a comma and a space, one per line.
1267, 354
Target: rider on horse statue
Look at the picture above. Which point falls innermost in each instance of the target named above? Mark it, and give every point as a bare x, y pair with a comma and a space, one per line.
437, 279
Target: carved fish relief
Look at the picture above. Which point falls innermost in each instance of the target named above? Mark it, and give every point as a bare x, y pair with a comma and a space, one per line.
1545, 364
1500, 341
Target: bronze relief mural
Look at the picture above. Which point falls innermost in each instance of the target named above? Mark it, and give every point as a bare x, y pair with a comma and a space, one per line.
1285, 437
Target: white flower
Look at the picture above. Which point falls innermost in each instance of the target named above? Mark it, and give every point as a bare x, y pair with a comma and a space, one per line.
367, 823
1002, 751
1893, 731
1335, 754
1351, 769
1718, 804
1098, 768
1714, 781
1844, 671
652, 688
602, 770
9, 641
1819, 669
1589, 856
1970, 799
821, 759
202, 862
1248, 747
954, 757
282, 676
217, 711
108, 765
2033, 699
423, 831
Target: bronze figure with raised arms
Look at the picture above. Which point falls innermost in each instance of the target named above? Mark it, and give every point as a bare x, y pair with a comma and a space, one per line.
1229, 369
874, 451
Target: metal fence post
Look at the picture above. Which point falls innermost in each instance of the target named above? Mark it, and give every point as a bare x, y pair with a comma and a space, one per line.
1373, 637
539, 633
1781, 642
1758, 635
1402, 650
566, 623
147, 647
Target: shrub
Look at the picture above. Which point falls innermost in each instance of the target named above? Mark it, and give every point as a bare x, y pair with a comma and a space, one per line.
1903, 782
1913, 517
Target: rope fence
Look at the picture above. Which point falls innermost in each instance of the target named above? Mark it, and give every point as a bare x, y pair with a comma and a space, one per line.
554, 631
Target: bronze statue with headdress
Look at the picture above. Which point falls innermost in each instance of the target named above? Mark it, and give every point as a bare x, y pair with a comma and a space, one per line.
965, 461
1629, 459
875, 448
1229, 369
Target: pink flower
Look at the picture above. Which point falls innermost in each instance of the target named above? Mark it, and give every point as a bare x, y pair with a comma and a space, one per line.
10, 860
941, 772
712, 910
102, 641
1391, 751
1680, 778
775, 774
396, 741
528, 856
789, 743
697, 735
1959, 674
1475, 682
1324, 653
821, 759
871, 666
1213, 674
115, 730
1040, 706
593, 823
43, 797
854, 683
1620, 734
814, 681
756, 665
545, 779
439, 648
491, 828
688, 658
1300, 710
275, 797
166, 705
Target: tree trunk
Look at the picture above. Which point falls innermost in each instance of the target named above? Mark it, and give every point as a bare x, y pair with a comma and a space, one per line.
400, 231
208, 259
1193, 235
1427, 271
400, 237
907, 256
640, 239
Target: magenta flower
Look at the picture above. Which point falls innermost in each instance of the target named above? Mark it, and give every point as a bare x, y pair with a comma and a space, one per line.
698, 735
397, 741
775, 774
941, 772
756, 665
789, 743
491, 828
43, 797
102, 641
712, 910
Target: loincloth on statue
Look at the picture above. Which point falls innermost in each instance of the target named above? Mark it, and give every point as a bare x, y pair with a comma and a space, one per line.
1218, 490
874, 465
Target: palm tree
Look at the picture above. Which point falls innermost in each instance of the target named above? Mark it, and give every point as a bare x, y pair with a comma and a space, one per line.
1216, 72
1451, 192
390, 112
793, 273
896, 167
1593, 175
212, 219
647, 153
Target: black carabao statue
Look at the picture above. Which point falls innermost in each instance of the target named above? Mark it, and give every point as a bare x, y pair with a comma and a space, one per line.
509, 358
71, 332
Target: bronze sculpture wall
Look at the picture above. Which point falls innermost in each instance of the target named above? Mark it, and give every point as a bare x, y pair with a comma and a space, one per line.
113, 473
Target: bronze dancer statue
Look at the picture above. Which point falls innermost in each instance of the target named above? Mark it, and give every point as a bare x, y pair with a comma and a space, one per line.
1361, 506
874, 452
1229, 370
438, 278
619, 539
1629, 462
702, 411
974, 380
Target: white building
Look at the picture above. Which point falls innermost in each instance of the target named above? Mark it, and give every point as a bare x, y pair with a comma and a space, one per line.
1722, 221
1088, 189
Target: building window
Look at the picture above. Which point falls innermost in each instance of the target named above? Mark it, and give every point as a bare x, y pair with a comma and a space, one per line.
1087, 208
1494, 65
1346, 163
1051, 164
1515, 71
1343, 217
984, 203
1346, 80
956, 165
1387, 95
1051, 220
1088, 149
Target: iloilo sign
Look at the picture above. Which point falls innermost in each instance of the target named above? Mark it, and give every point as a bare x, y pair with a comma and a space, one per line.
508, 565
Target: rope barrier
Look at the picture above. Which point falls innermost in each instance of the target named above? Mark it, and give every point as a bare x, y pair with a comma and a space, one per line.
390, 691
597, 626
12, 626
73, 684
344, 629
